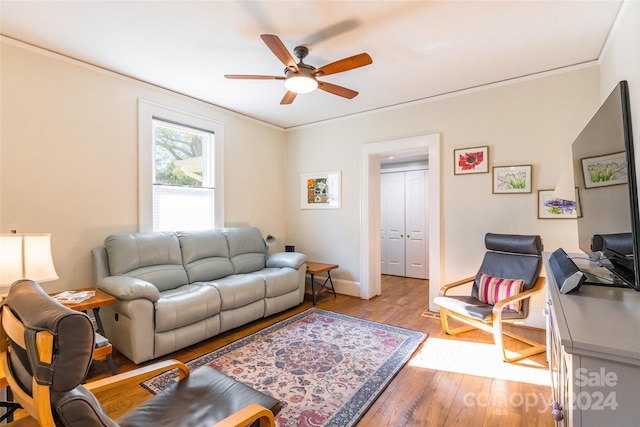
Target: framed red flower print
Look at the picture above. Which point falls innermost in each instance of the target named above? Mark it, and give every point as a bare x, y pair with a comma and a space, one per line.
471, 160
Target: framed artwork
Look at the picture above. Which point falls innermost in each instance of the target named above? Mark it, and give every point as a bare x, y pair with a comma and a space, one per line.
601, 171
320, 190
512, 179
550, 208
471, 160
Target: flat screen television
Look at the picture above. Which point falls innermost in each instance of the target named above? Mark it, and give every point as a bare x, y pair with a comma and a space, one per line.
604, 172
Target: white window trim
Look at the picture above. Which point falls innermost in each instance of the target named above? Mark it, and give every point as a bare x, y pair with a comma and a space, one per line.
146, 112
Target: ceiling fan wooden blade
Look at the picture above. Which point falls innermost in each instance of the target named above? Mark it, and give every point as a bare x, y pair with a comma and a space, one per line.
280, 50
288, 98
337, 90
345, 64
249, 76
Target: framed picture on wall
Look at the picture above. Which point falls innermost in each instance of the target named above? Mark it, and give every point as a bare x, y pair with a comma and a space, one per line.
551, 208
320, 190
602, 171
512, 179
471, 160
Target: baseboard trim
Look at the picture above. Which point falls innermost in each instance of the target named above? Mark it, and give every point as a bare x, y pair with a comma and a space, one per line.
343, 287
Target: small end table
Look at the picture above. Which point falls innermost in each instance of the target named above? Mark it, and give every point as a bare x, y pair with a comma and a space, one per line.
100, 299
314, 268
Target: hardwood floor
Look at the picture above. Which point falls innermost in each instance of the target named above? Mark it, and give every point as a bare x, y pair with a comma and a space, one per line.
451, 380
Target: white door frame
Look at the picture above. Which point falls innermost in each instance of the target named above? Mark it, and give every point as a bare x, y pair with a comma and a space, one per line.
370, 283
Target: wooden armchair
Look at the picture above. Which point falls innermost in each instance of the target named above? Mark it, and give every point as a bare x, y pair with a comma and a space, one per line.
46, 350
500, 293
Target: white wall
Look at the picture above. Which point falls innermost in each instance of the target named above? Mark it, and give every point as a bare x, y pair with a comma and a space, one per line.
532, 121
69, 157
620, 60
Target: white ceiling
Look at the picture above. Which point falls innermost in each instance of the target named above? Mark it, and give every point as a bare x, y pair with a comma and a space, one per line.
420, 49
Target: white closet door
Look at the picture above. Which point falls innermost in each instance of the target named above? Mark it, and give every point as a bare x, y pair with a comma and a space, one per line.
416, 228
393, 224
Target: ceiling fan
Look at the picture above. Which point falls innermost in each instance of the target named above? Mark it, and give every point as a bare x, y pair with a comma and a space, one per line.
303, 78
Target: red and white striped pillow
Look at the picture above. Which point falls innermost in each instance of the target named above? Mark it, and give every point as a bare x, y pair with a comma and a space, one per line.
493, 289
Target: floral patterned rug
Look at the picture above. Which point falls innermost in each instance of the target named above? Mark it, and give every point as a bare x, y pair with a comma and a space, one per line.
327, 368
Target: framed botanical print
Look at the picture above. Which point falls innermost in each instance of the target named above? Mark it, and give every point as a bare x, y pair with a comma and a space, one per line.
471, 160
512, 179
552, 208
601, 171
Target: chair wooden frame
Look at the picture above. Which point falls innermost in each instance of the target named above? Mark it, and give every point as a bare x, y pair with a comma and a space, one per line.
38, 405
493, 325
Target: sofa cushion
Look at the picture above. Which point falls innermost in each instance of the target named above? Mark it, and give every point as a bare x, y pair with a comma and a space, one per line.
205, 255
247, 249
185, 305
238, 290
154, 257
279, 281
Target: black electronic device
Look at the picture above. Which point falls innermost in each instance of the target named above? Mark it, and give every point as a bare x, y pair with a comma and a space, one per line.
568, 276
605, 174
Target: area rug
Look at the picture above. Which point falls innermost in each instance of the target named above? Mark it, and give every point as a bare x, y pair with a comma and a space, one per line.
327, 368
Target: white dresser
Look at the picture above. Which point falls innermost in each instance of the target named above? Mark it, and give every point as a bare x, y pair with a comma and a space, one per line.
593, 349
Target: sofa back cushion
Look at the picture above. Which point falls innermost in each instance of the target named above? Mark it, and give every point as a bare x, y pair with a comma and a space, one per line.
205, 255
154, 257
247, 249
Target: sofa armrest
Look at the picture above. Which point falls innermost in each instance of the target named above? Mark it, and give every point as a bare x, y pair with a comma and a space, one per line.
129, 288
286, 259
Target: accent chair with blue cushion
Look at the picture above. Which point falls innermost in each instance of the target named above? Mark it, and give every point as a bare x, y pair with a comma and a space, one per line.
500, 293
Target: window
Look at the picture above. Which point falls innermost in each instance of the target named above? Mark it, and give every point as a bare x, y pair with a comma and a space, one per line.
180, 170
183, 188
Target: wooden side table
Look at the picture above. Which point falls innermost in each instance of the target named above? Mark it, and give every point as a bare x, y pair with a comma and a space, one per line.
314, 268
100, 299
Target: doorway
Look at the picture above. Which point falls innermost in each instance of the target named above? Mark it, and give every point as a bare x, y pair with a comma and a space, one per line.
404, 231
371, 154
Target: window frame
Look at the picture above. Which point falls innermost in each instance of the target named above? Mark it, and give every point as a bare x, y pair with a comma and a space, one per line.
147, 111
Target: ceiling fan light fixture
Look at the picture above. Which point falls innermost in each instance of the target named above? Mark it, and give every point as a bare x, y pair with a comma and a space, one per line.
301, 77
301, 82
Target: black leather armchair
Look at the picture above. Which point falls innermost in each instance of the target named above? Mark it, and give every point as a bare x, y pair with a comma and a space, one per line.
511, 261
46, 350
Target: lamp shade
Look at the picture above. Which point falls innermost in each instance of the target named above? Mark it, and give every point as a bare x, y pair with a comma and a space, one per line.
26, 256
565, 189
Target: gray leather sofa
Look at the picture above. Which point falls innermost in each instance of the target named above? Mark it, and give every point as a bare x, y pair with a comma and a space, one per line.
176, 289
